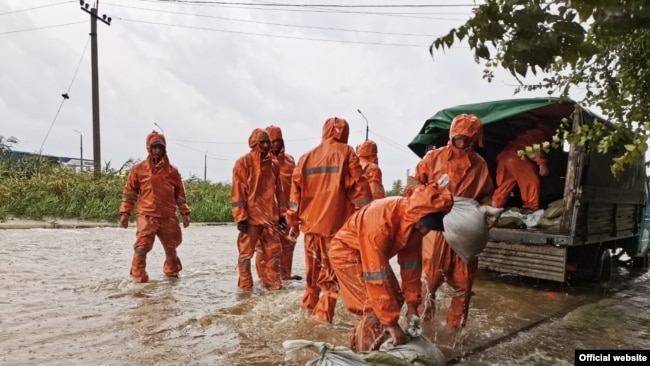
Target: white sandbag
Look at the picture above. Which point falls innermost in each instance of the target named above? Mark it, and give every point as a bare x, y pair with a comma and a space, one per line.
418, 351
466, 229
529, 219
534, 219
330, 355
554, 210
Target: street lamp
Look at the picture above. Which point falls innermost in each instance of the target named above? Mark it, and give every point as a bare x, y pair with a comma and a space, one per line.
81, 150
364, 117
161, 129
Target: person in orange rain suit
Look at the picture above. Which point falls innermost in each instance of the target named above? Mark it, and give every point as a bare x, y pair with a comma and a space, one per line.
468, 177
327, 186
289, 235
157, 187
360, 253
258, 207
367, 153
513, 170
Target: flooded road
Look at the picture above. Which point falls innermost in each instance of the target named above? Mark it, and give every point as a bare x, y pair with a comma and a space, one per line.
66, 299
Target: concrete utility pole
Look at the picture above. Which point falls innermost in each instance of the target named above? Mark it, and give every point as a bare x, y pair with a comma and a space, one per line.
95, 80
205, 167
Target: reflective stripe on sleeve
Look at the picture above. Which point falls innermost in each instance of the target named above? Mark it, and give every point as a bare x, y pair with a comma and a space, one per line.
363, 201
238, 204
411, 265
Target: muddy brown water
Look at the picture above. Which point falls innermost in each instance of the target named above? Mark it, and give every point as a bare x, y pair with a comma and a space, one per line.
66, 299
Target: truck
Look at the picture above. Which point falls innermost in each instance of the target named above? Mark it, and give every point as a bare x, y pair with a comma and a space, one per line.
603, 215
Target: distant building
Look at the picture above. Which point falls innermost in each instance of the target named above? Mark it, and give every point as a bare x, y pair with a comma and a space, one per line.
74, 163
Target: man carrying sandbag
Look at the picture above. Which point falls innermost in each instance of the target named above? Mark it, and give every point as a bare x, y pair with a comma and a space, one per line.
359, 254
469, 177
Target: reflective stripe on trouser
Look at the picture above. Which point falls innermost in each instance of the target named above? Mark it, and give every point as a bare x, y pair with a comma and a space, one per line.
267, 261
368, 334
321, 288
511, 171
441, 264
168, 232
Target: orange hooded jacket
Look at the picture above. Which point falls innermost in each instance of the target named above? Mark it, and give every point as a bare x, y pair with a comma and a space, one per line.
468, 172
157, 187
378, 232
367, 153
285, 161
256, 195
530, 137
328, 183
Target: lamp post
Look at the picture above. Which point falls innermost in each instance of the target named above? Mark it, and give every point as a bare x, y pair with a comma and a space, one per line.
364, 117
81, 150
161, 129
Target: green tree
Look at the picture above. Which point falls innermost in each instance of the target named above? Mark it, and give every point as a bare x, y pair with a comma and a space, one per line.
396, 190
601, 48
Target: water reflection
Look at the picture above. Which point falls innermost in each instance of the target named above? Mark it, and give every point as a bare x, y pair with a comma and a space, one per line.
66, 299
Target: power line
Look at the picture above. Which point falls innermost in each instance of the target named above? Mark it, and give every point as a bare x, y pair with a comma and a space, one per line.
273, 35
246, 143
390, 142
320, 5
36, 7
323, 10
65, 95
39, 28
269, 23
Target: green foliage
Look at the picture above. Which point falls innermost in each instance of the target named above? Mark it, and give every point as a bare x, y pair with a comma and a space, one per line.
396, 190
33, 187
598, 47
209, 202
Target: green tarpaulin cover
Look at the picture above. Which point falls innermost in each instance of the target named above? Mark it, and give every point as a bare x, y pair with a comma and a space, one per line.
488, 112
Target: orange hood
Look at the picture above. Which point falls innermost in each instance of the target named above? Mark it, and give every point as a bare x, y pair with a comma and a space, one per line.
337, 129
254, 139
425, 200
154, 136
468, 125
275, 133
368, 151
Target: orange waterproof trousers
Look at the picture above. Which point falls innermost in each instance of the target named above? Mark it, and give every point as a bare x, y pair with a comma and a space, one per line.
440, 264
368, 334
288, 238
267, 260
511, 171
321, 288
169, 233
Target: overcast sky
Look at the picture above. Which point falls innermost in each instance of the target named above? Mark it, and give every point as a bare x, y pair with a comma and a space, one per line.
209, 74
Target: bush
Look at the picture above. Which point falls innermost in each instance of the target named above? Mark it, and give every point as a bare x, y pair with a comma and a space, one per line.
35, 187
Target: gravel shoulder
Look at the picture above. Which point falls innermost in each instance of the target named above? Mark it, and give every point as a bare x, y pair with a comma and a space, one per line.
57, 223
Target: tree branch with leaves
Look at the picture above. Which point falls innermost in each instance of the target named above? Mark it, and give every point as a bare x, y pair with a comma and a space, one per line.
601, 48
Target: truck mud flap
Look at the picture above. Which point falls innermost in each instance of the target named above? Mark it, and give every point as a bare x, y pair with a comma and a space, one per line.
536, 261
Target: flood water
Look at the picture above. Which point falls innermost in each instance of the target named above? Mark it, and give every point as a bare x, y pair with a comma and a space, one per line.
66, 299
